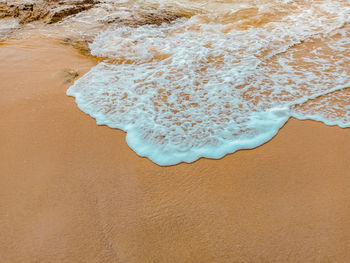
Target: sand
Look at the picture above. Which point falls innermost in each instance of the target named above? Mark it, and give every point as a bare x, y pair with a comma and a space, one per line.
72, 191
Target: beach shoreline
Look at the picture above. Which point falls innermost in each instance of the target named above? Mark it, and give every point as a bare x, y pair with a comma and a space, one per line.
73, 191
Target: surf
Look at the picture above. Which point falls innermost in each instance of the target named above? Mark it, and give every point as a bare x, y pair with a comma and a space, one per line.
217, 80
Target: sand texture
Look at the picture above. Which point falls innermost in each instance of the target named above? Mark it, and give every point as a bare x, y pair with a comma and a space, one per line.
72, 191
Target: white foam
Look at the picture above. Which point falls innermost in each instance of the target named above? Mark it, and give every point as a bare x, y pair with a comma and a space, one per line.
332, 108
187, 90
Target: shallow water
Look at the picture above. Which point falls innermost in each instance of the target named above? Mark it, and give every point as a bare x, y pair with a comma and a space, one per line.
223, 76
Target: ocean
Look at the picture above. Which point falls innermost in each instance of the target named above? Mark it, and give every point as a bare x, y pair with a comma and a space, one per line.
192, 79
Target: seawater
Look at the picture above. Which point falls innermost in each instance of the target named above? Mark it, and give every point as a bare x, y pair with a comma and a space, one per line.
226, 75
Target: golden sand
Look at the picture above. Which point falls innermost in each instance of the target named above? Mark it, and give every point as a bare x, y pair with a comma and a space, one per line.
72, 191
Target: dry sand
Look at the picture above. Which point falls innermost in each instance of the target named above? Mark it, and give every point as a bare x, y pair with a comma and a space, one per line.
72, 191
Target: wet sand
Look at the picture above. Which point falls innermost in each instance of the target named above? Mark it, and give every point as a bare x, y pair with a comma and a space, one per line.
72, 191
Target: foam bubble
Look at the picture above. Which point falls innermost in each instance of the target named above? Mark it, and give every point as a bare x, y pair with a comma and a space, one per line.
192, 89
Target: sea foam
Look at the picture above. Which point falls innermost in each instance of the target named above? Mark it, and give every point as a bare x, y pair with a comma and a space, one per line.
192, 89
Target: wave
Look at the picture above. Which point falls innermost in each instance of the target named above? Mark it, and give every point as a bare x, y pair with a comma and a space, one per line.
212, 83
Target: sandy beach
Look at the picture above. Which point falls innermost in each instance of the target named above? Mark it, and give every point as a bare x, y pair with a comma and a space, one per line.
72, 191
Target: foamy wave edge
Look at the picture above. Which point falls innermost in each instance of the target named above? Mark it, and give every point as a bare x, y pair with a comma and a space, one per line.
270, 120
165, 156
